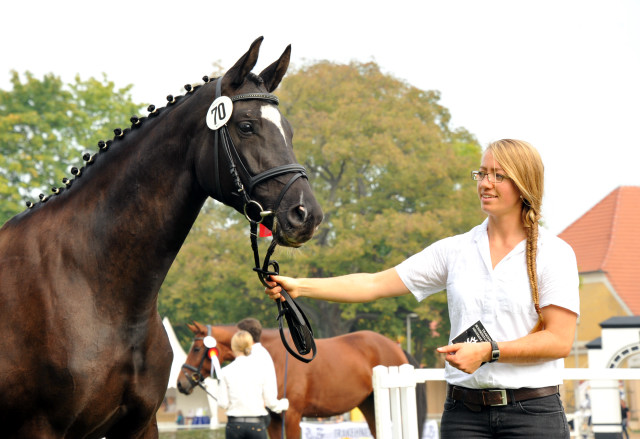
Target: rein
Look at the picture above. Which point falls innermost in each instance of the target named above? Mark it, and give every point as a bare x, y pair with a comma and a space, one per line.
299, 326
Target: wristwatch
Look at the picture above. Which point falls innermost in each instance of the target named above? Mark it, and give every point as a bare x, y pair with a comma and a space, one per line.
495, 352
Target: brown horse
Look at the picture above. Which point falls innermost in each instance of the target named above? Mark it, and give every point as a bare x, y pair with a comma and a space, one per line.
83, 350
335, 382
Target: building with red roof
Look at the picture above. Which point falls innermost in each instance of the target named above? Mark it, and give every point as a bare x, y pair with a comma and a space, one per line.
606, 240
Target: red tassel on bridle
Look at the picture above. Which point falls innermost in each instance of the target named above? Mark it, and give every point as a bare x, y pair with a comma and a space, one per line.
264, 232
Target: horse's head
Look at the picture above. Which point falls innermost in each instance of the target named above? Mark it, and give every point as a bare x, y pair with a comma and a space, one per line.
246, 157
197, 367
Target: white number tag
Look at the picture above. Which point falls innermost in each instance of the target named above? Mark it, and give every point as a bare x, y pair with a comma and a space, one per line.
209, 342
219, 112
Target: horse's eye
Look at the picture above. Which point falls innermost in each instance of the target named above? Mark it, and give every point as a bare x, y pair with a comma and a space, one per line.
245, 127
196, 349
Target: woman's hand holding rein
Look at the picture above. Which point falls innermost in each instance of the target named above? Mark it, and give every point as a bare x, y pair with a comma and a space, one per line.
276, 284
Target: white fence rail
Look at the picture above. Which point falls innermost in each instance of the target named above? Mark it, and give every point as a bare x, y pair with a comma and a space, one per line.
395, 389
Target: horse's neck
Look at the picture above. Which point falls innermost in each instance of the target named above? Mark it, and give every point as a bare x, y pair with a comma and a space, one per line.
223, 334
129, 213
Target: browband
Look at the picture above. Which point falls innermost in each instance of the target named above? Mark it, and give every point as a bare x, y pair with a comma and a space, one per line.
263, 96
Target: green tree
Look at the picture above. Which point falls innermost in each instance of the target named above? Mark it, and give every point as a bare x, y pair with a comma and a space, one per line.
46, 124
392, 177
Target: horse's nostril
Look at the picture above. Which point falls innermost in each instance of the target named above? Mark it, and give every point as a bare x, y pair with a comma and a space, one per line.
298, 215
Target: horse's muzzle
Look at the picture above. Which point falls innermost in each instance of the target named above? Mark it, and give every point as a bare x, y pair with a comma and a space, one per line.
185, 386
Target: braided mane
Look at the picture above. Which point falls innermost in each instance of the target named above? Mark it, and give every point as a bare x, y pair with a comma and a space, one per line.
119, 135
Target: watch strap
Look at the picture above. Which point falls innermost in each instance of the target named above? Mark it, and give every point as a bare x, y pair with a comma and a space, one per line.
495, 352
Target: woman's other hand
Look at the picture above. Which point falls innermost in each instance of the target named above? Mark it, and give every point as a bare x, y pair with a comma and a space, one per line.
467, 357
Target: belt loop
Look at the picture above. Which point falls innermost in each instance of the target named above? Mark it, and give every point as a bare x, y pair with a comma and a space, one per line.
513, 396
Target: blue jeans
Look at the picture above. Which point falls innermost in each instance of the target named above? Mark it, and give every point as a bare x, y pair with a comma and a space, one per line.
624, 429
534, 418
245, 430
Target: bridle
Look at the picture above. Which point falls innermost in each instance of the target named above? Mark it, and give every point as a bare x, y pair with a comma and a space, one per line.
253, 211
197, 377
299, 326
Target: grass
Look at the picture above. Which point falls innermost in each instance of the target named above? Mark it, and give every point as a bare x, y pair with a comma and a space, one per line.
193, 434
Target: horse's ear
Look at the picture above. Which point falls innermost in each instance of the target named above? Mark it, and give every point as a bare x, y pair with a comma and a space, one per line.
273, 74
193, 328
201, 327
244, 65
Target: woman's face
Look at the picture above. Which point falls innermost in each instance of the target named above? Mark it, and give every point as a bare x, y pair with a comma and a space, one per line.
497, 199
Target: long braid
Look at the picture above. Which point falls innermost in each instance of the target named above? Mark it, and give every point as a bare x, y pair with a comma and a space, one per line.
524, 167
532, 250
530, 217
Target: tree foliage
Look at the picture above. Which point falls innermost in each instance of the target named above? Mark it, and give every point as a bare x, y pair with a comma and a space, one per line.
45, 124
392, 177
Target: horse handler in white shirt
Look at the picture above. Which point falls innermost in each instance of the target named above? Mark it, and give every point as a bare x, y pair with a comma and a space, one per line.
511, 286
245, 393
253, 327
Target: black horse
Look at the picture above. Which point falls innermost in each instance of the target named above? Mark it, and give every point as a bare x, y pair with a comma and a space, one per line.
83, 350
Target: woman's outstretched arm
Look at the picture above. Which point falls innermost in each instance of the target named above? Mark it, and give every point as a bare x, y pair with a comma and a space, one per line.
350, 288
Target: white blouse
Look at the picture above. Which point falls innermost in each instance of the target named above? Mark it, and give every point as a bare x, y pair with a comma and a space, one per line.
245, 391
499, 297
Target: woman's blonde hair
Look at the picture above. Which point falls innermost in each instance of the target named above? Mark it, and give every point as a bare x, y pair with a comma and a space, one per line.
241, 343
523, 165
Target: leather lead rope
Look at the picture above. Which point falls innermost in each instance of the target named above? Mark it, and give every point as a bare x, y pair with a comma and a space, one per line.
284, 394
299, 327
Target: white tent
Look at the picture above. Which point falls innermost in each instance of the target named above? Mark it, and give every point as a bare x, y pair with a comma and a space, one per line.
196, 403
179, 355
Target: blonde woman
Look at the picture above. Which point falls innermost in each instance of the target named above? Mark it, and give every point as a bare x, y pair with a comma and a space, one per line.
516, 279
244, 392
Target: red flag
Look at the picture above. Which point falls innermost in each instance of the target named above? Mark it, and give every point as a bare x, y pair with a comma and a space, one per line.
264, 232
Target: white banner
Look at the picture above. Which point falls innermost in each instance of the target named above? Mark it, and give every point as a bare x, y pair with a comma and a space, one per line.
353, 430
337, 430
430, 430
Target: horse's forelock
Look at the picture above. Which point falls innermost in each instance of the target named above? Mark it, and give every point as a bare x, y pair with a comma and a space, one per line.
257, 80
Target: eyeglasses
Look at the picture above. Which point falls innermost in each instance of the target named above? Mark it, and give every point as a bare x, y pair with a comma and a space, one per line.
480, 175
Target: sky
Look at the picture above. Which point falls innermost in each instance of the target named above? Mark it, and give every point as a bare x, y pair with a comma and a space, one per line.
563, 75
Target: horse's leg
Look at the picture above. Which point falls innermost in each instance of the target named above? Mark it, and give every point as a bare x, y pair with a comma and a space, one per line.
148, 432
275, 427
368, 409
292, 424
151, 432
146, 395
37, 428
